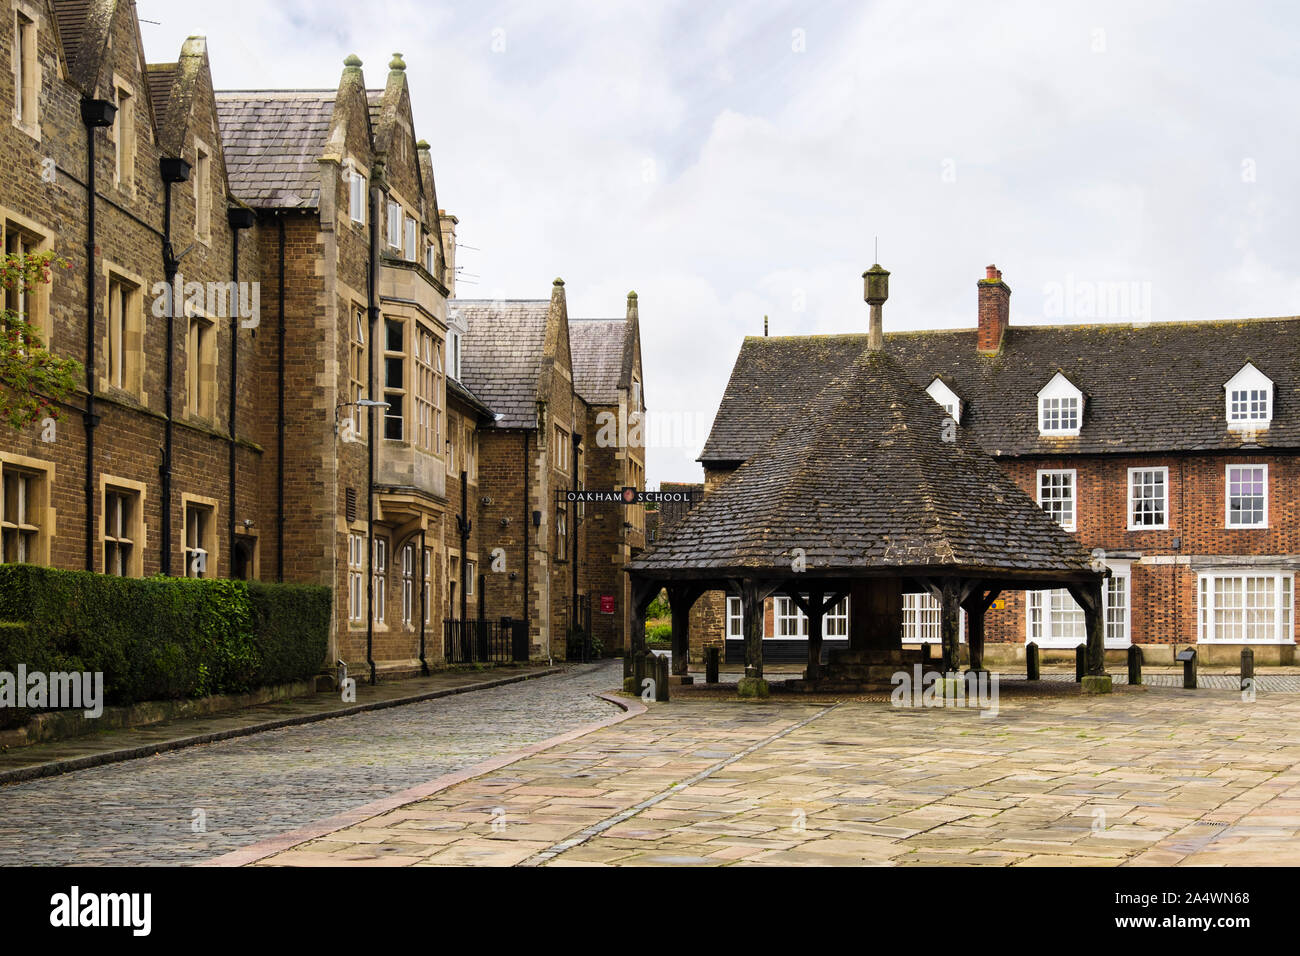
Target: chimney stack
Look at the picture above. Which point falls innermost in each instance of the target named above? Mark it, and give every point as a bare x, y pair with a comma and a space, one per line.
994, 311
876, 292
447, 224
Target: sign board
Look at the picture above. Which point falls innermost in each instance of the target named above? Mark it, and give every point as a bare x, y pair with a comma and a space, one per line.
607, 604
624, 496
999, 604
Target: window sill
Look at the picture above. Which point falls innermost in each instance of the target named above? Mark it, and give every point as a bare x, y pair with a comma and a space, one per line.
1148, 527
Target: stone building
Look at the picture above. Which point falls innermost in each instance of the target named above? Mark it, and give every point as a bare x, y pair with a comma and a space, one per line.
1169, 446
321, 427
562, 391
155, 463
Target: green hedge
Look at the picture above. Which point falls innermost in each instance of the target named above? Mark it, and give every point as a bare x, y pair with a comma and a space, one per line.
162, 638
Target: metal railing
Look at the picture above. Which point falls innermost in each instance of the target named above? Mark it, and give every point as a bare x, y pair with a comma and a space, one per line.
479, 642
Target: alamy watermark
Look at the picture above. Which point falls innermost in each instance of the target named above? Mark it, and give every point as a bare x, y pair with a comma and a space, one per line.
1085, 299
56, 690
932, 689
218, 300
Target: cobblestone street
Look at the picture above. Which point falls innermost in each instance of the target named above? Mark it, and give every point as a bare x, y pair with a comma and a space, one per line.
142, 811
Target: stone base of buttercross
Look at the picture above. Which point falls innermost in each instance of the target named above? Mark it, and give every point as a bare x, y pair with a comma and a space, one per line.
1097, 684
868, 670
752, 687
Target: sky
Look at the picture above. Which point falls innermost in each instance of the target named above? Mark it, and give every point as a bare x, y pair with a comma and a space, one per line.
1117, 161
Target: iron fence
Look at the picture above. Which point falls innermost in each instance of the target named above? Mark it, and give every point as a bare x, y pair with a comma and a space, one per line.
478, 641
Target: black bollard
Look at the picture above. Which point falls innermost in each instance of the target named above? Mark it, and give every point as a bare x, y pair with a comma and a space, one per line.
1134, 664
711, 654
1247, 667
1033, 668
1080, 662
1188, 657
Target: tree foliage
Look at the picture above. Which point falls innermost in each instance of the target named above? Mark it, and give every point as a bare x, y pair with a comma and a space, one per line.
32, 381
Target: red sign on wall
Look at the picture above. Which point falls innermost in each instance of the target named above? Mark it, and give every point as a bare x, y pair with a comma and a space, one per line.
607, 604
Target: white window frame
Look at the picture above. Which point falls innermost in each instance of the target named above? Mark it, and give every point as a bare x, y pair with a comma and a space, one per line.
356, 194
786, 616
1163, 470
1227, 497
408, 584
410, 239
1074, 494
1237, 411
735, 619
1039, 603
918, 607
1283, 588
356, 578
946, 397
1061, 390
394, 225
835, 622
379, 579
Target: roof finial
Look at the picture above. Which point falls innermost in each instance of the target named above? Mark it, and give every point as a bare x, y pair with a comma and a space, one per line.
764, 326
396, 63
352, 61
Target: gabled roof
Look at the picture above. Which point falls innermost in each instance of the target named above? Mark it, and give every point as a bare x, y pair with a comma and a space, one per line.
598, 351
1150, 387
503, 348
862, 479
273, 140
72, 20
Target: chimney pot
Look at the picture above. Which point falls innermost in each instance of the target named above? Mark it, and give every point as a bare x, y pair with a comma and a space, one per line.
991, 272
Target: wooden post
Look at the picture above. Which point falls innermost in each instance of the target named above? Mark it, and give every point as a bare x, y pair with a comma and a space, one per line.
1080, 662
1088, 596
643, 592
815, 615
950, 624
752, 596
976, 606
681, 598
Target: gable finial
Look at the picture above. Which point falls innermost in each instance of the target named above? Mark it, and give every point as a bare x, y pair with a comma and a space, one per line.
352, 61
397, 63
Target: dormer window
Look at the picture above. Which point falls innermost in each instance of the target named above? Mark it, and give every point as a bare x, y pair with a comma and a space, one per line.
946, 397
1060, 408
1248, 398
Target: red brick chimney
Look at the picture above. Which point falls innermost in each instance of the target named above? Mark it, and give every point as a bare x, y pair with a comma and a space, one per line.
994, 311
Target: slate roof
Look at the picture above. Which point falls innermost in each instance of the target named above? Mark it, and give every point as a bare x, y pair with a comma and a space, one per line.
597, 347
161, 77
72, 17
272, 142
458, 391
861, 478
502, 358
1152, 387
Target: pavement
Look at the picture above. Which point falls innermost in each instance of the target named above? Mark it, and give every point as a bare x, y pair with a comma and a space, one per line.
1145, 776
190, 804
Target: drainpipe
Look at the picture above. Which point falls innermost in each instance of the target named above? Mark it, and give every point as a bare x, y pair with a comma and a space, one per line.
279, 428
372, 311
573, 548
173, 169
94, 113
424, 608
239, 219
463, 523
527, 518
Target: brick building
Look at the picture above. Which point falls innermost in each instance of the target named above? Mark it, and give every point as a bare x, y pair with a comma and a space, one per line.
1170, 446
320, 427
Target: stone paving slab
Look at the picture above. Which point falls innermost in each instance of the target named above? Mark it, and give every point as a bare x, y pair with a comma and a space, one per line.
129, 743
1165, 777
